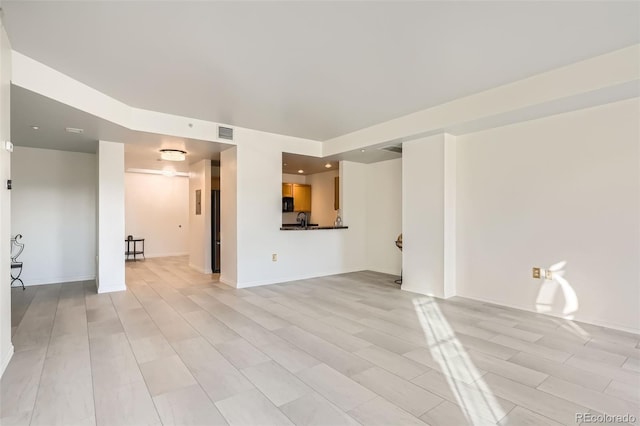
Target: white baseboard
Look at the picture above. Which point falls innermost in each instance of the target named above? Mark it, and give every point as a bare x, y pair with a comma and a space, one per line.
152, 255
578, 318
389, 271
111, 288
225, 281
289, 279
58, 280
199, 269
6, 360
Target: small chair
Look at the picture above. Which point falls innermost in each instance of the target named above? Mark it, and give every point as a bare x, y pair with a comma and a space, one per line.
16, 265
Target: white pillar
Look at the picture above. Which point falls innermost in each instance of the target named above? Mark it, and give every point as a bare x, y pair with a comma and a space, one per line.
110, 276
429, 215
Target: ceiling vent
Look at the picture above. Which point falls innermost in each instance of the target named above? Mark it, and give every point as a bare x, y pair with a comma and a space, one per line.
397, 148
225, 133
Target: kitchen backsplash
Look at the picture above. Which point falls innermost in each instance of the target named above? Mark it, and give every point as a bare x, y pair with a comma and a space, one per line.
290, 217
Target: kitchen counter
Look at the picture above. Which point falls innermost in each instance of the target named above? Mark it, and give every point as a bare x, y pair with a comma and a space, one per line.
311, 228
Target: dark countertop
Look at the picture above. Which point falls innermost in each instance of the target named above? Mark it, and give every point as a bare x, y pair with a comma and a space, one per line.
311, 228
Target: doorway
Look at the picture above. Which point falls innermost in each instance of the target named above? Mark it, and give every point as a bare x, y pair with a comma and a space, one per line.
215, 231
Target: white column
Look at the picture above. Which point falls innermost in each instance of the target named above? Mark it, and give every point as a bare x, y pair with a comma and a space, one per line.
428, 215
110, 276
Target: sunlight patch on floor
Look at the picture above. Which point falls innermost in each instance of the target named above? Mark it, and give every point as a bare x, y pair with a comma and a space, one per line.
474, 397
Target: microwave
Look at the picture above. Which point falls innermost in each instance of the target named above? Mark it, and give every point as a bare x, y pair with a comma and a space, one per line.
287, 204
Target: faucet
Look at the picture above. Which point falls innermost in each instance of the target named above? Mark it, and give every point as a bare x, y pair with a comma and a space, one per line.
302, 220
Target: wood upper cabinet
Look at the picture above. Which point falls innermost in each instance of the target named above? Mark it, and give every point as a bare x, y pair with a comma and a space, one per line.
287, 190
301, 198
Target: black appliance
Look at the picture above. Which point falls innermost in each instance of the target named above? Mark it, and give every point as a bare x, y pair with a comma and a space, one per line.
287, 204
215, 231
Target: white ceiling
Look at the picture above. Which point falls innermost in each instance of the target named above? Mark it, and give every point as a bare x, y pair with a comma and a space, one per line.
141, 149
310, 69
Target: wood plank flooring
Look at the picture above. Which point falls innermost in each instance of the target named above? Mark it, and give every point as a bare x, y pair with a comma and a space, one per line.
180, 348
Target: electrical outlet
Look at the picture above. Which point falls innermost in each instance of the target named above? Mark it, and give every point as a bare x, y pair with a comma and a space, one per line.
274, 257
536, 272
548, 275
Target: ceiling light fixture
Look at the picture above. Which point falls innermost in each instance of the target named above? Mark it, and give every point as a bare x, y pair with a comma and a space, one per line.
362, 150
35, 127
328, 165
173, 154
74, 130
300, 171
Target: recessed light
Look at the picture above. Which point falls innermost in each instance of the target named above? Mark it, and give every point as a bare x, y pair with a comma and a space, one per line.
284, 164
173, 154
35, 127
362, 150
328, 165
300, 171
74, 130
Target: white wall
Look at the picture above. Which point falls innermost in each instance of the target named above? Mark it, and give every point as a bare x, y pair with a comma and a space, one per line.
353, 208
110, 276
563, 188
291, 178
301, 254
228, 216
423, 215
200, 225
384, 216
54, 208
157, 209
322, 197
6, 348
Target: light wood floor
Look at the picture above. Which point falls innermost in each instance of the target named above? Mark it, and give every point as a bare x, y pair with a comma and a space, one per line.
180, 348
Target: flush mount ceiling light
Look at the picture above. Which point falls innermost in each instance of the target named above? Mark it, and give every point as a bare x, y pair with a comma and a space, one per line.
328, 165
300, 171
173, 154
35, 127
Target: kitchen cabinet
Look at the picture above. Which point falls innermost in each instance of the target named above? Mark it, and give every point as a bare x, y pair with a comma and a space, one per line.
287, 190
301, 194
301, 198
